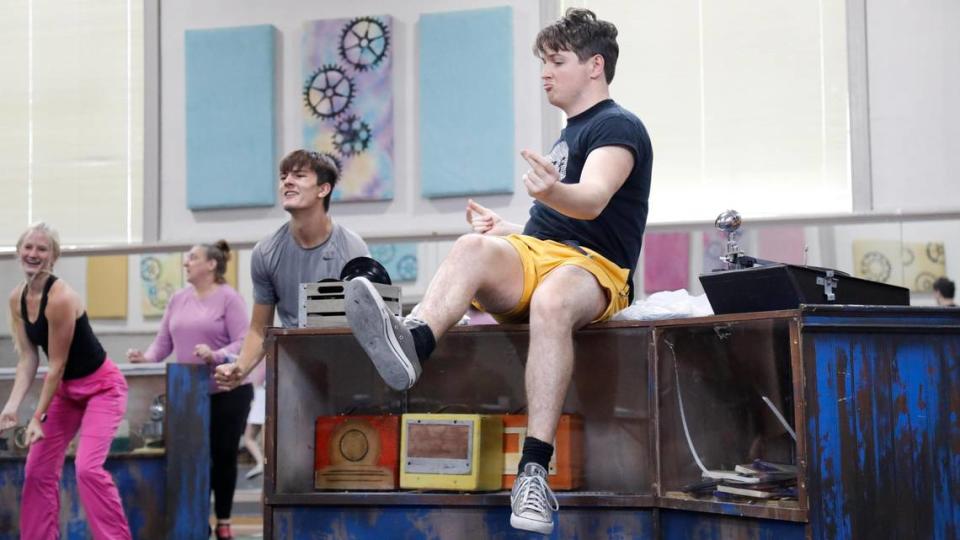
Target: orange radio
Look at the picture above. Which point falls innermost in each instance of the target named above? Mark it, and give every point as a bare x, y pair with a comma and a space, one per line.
566, 467
357, 452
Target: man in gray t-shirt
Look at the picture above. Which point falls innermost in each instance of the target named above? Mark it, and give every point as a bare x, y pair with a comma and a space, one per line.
279, 265
310, 247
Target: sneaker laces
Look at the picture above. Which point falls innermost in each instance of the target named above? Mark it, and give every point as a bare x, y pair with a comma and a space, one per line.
534, 494
410, 322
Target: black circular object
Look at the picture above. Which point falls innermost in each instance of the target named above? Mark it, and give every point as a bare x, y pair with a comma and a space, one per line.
365, 267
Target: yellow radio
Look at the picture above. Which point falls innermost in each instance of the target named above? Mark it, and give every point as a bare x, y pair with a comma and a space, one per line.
460, 452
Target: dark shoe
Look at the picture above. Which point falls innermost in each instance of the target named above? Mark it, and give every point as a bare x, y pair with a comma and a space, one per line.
532, 502
383, 336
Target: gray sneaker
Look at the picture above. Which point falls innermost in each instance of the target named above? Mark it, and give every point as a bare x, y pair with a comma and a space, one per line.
532, 501
383, 336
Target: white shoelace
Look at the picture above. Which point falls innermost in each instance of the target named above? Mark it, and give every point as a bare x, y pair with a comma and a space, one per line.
535, 495
410, 322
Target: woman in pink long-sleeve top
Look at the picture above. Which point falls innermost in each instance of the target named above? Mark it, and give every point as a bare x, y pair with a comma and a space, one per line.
206, 323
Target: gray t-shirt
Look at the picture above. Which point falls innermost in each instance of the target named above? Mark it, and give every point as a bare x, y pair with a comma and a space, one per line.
279, 265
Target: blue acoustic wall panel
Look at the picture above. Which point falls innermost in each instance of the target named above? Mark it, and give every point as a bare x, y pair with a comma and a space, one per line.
231, 119
466, 102
399, 259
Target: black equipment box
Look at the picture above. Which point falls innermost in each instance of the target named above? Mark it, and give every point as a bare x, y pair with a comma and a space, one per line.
786, 286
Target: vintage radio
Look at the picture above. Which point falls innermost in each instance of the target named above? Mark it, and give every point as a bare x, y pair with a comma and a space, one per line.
356, 452
461, 452
566, 466
322, 303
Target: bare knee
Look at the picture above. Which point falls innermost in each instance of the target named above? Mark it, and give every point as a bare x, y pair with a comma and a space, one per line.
550, 308
471, 246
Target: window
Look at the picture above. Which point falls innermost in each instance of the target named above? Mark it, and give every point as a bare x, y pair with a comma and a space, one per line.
71, 119
746, 103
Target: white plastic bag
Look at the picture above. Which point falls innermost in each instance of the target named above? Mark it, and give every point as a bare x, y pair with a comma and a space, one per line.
666, 305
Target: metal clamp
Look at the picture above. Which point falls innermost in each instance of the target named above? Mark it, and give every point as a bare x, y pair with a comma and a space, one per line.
830, 283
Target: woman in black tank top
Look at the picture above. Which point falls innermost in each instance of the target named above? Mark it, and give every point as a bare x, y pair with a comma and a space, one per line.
82, 387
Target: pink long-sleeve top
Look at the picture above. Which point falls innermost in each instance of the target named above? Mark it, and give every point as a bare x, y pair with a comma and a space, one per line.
219, 320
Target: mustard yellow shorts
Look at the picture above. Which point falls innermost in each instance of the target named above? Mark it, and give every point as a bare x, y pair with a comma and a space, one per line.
540, 257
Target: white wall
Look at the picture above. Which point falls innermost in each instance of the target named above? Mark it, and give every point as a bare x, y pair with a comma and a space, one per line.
179, 224
913, 53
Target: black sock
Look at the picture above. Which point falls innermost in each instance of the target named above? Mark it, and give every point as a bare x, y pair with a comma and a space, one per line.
423, 341
535, 451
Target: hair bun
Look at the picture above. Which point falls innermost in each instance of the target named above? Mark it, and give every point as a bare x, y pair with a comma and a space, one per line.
224, 247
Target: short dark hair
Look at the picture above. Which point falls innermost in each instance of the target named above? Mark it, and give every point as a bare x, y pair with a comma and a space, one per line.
945, 287
324, 166
580, 32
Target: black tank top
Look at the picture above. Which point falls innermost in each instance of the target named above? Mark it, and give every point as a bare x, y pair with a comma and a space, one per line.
86, 354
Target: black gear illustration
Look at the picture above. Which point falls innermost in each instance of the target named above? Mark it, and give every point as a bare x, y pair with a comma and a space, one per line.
875, 266
935, 252
907, 256
352, 136
364, 43
328, 92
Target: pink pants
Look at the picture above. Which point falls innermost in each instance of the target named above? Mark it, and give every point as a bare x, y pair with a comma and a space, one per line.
95, 405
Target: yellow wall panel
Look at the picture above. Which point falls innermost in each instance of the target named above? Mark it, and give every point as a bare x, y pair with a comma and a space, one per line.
107, 287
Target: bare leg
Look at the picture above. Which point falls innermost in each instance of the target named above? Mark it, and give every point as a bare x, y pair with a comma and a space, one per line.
567, 299
250, 442
478, 266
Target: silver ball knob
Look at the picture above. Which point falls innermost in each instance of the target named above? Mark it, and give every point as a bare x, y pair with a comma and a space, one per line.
728, 221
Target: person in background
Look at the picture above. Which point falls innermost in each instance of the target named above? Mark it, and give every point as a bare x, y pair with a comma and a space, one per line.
205, 323
255, 421
310, 247
943, 291
83, 391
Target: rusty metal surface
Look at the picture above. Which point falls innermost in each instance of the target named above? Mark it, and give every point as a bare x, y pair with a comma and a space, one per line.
883, 428
875, 393
674, 525
140, 482
567, 499
188, 451
435, 523
140, 478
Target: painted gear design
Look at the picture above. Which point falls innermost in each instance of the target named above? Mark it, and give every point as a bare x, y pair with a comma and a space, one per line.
353, 136
935, 252
333, 159
328, 92
383, 253
876, 266
907, 256
924, 282
364, 43
407, 268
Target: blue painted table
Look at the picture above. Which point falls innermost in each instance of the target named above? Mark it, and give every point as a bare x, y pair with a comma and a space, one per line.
165, 492
871, 393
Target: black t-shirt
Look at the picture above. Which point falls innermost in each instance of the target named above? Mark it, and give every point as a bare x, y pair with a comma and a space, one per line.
617, 232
